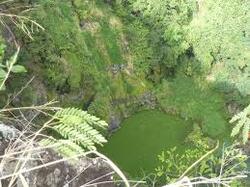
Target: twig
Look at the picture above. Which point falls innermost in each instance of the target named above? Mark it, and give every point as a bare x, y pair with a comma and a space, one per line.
45, 106
44, 165
7, 1
98, 178
22, 18
199, 160
84, 169
19, 92
107, 182
10, 68
114, 167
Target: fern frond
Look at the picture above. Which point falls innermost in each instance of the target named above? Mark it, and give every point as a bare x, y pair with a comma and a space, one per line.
77, 124
74, 135
79, 128
243, 122
78, 115
245, 132
235, 118
237, 128
65, 148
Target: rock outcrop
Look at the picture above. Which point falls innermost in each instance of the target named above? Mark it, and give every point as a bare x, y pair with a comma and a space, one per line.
37, 170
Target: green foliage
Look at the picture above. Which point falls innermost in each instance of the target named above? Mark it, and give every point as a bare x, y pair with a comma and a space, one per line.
87, 49
226, 162
8, 66
78, 126
2, 49
138, 40
18, 69
111, 40
162, 27
243, 124
194, 99
86, 57
79, 130
66, 148
171, 17
101, 107
219, 34
197, 139
172, 163
215, 32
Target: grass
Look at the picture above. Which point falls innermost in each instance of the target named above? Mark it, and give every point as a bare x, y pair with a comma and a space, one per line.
111, 42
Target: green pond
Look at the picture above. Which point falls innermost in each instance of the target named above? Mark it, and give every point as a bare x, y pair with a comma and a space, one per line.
134, 147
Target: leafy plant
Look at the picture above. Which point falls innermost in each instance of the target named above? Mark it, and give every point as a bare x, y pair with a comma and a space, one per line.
171, 17
172, 163
243, 124
227, 164
219, 33
9, 66
78, 130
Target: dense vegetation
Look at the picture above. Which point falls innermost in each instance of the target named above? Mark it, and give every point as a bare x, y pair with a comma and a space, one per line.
188, 59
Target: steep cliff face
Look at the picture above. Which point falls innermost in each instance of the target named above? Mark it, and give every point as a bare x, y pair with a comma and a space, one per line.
88, 56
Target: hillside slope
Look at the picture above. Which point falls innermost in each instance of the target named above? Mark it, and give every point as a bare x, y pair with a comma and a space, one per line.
86, 57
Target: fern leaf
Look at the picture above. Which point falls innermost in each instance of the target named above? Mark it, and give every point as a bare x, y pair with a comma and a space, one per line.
79, 128
237, 128
65, 148
243, 122
245, 132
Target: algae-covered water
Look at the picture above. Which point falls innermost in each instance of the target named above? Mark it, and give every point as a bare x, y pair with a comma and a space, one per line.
134, 147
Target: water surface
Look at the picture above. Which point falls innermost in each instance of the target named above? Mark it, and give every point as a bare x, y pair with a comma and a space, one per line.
134, 147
